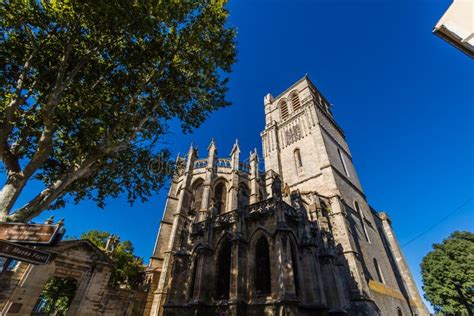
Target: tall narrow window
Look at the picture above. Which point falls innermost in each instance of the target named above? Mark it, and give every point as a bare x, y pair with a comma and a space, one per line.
399, 312
379, 272
284, 110
220, 196
262, 268
341, 157
298, 162
243, 197
198, 189
294, 265
295, 101
224, 259
362, 221
193, 277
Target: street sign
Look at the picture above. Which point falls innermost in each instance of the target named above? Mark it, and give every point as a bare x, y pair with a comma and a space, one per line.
23, 253
28, 233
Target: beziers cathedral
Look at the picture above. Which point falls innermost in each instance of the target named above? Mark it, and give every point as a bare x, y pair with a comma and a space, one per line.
299, 238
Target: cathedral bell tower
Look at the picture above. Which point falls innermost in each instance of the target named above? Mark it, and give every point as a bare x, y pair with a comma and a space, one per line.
304, 144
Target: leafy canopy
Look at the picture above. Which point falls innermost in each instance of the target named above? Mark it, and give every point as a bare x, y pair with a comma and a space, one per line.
448, 274
87, 89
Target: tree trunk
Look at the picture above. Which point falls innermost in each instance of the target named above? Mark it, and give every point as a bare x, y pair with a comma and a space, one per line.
9, 194
464, 300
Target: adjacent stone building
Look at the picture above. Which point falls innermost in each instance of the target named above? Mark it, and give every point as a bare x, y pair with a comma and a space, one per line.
83, 263
299, 238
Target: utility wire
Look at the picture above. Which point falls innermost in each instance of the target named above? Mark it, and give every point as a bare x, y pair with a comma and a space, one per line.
439, 222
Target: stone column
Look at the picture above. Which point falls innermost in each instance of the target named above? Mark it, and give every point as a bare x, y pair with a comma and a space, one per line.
344, 239
254, 175
402, 265
179, 217
234, 185
204, 275
206, 194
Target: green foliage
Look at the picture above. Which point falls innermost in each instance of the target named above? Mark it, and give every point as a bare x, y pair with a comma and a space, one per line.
57, 295
128, 268
87, 89
448, 274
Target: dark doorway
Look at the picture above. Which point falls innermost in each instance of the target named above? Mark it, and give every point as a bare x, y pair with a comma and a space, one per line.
224, 259
262, 268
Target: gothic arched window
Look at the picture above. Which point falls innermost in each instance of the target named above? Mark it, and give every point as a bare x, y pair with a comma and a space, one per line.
224, 259
284, 110
243, 197
198, 189
262, 268
379, 272
220, 196
295, 101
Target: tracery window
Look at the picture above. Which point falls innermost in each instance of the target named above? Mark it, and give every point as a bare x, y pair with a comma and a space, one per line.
220, 196
262, 268
224, 259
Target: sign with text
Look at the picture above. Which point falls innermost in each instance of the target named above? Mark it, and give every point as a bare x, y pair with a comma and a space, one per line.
23, 253
28, 233
67, 273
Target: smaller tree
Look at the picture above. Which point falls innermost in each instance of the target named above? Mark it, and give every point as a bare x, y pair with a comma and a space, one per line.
448, 274
57, 296
128, 267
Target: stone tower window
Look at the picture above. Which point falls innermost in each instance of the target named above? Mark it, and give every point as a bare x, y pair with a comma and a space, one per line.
262, 268
341, 157
298, 161
220, 196
379, 272
244, 196
295, 101
362, 221
399, 312
284, 110
224, 259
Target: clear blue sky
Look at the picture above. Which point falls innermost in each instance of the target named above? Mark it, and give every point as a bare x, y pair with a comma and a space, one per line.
403, 96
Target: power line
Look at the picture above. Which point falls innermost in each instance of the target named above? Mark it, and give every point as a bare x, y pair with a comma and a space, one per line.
439, 222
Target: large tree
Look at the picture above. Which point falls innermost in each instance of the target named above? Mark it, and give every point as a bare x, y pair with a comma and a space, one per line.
87, 89
448, 274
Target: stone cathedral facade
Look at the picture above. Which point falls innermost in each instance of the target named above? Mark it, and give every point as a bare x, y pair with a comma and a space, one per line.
297, 238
